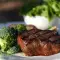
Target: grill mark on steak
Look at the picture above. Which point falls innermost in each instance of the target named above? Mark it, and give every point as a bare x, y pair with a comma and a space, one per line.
43, 35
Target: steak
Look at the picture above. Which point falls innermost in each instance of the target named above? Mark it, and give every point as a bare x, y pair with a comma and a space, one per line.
37, 42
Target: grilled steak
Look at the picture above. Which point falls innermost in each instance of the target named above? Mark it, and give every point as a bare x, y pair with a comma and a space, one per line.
37, 42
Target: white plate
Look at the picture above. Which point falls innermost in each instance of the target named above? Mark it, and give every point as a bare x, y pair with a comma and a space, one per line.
53, 57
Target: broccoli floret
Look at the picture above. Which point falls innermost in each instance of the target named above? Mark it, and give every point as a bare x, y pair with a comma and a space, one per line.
20, 28
3, 32
8, 38
3, 44
13, 50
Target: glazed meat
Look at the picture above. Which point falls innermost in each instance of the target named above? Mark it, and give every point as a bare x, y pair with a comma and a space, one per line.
37, 42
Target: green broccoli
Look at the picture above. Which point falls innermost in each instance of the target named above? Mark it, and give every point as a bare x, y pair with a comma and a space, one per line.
3, 44
8, 38
20, 28
12, 50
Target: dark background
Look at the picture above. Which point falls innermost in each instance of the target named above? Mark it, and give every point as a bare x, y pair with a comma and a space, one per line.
17, 14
